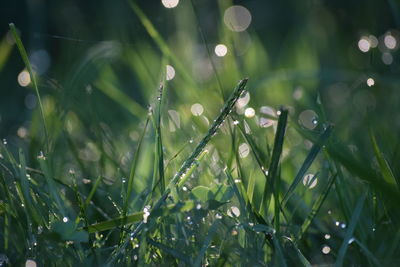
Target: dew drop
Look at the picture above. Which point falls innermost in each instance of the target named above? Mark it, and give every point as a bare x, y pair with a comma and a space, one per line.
233, 212
370, 82
310, 181
24, 79
327, 236
65, 219
326, 249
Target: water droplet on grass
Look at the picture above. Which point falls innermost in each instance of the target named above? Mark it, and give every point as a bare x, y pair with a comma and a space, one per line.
310, 181
65, 219
327, 236
326, 249
308, 119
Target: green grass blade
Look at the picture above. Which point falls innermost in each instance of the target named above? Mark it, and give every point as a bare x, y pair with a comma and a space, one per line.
161, 43
5, 51
206, 243
270, 184
29, 204
133, 168
25, 58
316, 206
383, 164
171, 251
368, 253
307, 163
350, 230
158, 170
54, 192
121, 98
138, 216
93, 191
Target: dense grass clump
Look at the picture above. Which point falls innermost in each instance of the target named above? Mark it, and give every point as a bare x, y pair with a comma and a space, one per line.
149, 153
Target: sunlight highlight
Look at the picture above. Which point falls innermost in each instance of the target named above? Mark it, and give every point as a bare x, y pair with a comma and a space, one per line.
221, 50
390, 41
249, 112
197, 109
170, 3
364, 45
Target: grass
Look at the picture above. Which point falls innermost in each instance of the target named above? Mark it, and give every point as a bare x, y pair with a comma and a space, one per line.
119, 172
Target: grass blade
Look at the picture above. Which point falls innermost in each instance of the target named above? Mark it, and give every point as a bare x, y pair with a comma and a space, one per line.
383, 164
138, 216
133, 168
272, 176
307, 163
92, 191
207, 241
25, 58
350, 230
316, 207
51, 184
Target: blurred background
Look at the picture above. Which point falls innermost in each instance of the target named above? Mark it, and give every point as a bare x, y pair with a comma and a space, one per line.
99, 65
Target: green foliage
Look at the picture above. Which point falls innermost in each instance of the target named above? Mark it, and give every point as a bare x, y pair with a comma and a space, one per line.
123, 163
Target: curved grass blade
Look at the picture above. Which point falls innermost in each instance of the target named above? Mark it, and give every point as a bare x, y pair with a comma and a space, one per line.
25, 58
350, 230
307, 163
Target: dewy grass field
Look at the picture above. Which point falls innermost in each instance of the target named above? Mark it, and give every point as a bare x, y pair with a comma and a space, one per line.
200, 133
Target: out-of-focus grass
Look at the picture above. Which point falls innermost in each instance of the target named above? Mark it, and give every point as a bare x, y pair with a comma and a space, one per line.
312, 182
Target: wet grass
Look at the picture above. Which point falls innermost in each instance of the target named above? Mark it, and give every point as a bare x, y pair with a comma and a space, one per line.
107, 179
